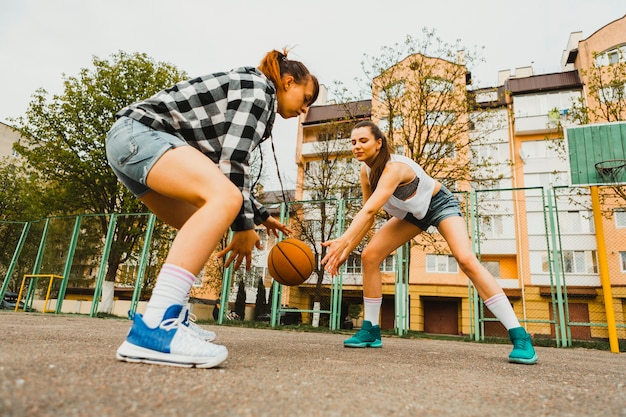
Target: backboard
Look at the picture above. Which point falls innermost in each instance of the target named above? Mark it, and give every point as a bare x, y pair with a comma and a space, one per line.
597, 153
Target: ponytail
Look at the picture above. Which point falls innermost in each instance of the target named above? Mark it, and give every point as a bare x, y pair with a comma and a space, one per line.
275, 65
384, 154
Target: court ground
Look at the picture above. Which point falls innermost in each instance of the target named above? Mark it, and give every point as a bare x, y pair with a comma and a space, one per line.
60, 365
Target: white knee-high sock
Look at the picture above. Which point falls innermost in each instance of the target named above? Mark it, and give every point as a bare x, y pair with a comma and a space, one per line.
372, 309
172, 287
500, 306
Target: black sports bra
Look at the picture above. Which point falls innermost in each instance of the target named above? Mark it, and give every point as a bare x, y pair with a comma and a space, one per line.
407, 190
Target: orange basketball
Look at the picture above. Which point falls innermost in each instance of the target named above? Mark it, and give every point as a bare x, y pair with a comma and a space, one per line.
291, 262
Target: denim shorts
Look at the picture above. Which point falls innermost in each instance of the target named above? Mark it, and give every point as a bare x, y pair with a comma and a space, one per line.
442, 205
132, 150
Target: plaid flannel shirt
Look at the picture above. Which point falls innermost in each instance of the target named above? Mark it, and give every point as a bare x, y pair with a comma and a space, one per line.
224, 115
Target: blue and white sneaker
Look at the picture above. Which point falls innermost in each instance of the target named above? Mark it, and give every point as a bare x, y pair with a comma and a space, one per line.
189, 321
170, 343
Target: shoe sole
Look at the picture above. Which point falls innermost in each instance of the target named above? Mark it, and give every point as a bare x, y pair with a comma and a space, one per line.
523, 361
129, 352
376, 344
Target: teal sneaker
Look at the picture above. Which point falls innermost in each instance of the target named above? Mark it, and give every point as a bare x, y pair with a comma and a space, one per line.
523, 351
368, 336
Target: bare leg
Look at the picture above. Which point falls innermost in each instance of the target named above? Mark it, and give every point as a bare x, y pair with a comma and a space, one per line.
454, 232
393, 234
193, 195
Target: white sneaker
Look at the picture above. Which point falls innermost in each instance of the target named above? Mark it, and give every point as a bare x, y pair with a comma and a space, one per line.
171, 343
189, 321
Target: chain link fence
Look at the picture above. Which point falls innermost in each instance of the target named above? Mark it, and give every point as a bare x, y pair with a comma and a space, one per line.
542, 245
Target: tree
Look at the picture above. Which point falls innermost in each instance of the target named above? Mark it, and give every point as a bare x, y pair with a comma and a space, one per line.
21, 199
604, 102
240, 301
64, 142
330, 173
420, 97
260, 307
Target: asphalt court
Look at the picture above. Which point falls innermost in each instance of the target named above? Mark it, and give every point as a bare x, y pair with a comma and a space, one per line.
64, 365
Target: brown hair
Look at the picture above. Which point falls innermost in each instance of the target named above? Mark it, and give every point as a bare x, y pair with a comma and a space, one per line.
275, 65
384, 155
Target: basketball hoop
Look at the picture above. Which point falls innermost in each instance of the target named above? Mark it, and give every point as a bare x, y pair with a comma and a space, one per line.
611, 171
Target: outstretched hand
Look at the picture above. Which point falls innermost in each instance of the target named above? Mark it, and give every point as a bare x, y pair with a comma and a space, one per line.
335, 256
273, 226
240, 248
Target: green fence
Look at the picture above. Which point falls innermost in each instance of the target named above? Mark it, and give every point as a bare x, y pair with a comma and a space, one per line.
541, 244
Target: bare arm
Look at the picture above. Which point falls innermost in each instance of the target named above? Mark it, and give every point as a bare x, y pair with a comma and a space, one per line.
339, 249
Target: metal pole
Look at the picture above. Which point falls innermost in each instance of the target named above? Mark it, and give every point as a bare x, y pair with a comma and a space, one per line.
227, 278
32, 284
68, 263
145, 254
103, 265
16, 255
276, 287
337, 284
604, 270
473, 294
560, 331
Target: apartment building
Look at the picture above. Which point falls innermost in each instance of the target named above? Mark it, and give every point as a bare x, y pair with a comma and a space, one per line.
8, 136
532, 231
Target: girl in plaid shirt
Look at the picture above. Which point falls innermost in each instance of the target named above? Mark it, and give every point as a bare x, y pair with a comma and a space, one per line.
184, 152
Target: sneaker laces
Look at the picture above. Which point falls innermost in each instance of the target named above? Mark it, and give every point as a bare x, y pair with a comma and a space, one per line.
175, 323
362, 332
520, 342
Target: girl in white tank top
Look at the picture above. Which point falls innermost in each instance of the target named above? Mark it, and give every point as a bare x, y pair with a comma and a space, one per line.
416, 201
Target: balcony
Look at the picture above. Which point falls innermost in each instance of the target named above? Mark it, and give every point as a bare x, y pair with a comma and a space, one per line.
331, 147
539, 124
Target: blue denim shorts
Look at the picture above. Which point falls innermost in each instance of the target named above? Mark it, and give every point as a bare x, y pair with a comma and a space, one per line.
132, 150
442, 206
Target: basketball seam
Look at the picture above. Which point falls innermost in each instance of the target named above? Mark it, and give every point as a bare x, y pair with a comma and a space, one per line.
302, 250
289, 260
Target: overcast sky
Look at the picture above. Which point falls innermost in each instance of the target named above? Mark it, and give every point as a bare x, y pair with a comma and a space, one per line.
40, 40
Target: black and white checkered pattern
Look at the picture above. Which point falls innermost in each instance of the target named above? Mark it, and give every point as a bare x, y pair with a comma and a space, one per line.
224, 115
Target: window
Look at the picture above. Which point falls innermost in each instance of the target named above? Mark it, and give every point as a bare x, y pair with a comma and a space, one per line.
622, 261
440, 149
439, 85
398, 122
493, 153
250, 277
441, 263
389, 264
546, 179
613, 56
440, 118
575, 262
612, 93
392, 91
353, 264
492, 226
486, 96
582, 262
493, 267
576, 222
262, 236
620, 218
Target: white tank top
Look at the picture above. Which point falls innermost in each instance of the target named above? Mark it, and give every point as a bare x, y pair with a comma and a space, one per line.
418, 204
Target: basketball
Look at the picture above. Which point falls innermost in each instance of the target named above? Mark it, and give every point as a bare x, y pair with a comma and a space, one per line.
291, 262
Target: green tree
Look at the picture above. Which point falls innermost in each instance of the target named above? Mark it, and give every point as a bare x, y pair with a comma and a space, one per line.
64, 141
606, 92
21, 199
260, 307
240, 301
421, 97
